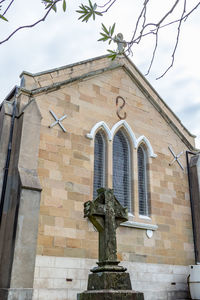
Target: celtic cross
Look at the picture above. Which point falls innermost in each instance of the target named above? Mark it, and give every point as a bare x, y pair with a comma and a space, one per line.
106, 214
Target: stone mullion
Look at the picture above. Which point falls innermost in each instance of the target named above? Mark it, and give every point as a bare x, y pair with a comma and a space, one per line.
135, 200
110, 164
149, 185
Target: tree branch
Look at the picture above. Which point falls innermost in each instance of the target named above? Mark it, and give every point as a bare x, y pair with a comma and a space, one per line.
177, 41
157, 25
142, 28
104, 11
31, 25
168, 13
102, 6
156, 43
154, 52
143, 13
9, 5
156, 29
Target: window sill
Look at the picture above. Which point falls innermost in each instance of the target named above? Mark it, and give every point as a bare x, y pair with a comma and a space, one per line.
144, 217
139, 225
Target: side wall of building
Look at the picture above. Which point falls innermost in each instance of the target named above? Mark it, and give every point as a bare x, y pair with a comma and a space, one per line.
21, 201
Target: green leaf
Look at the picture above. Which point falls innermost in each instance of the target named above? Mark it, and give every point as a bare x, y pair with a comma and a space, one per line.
82, 6
82, 10
48, 1
87, 8
54, 8
105, 29
98, 13
103, 34
90, 3
49, 5
85, 17
88, 11
112, 29
3, 18
112, 54
80, 17
104, 39
64, 5
111, 51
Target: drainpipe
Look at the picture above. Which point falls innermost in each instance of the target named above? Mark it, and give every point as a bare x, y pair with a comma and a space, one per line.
7, 164
191, 200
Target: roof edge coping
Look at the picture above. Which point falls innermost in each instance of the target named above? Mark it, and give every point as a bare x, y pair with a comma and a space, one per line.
63, 67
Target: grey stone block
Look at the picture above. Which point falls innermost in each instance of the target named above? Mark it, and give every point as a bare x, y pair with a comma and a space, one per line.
109, 280
16, 294
110, 295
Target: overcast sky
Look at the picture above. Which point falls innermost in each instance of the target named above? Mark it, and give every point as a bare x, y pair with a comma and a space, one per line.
62, 40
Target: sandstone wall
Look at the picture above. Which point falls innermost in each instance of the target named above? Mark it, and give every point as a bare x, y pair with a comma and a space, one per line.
66, 173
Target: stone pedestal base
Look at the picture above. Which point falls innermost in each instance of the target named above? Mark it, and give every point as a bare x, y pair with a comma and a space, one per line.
110, 295
109, 286
109, 281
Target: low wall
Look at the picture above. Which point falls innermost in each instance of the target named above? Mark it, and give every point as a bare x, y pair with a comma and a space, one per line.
61, 278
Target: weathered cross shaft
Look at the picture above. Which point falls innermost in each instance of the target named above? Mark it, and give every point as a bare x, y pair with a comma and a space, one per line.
106, 214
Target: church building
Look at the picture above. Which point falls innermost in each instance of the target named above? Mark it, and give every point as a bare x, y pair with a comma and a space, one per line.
68, 131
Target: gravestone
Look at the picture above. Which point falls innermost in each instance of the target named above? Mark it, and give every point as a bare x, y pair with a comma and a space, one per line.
108, 280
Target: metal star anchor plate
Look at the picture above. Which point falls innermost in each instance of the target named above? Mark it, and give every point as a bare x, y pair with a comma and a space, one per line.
58, 120
176, 158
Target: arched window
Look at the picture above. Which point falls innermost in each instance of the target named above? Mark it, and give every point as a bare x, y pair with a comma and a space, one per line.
99, 162
122, 169
142, 181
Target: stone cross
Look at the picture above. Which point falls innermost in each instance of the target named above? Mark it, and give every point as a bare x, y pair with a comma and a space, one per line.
106, 214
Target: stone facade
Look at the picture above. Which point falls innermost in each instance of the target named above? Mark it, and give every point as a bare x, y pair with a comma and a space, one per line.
67, 244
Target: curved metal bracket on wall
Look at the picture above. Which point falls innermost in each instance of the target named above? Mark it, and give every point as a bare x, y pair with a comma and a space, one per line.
120, 107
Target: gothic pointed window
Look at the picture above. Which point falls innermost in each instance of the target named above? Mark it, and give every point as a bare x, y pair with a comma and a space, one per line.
100, 150
122, 169
142, 181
